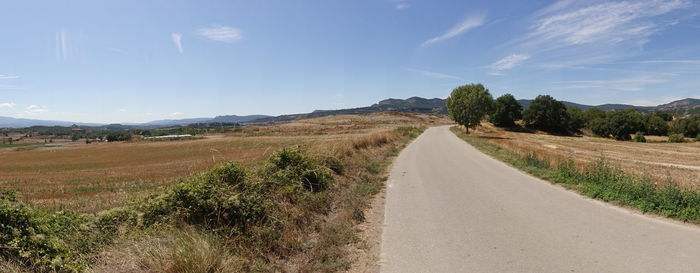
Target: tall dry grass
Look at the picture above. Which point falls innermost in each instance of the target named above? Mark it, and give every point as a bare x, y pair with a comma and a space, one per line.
172, 250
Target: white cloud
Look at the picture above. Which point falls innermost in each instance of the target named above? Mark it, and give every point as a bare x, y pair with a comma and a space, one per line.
121, 110
470, 22
507, 63
61, 46
7, 105
177, 114
32, 111
608, 23
624, 84
177, 40
401, 4
434, 74
221, 33
8, 77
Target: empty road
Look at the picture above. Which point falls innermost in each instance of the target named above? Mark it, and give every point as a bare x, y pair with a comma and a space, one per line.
450, 208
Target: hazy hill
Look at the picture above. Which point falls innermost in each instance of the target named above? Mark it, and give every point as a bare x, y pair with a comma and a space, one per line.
235, 119
413, 104
174, 122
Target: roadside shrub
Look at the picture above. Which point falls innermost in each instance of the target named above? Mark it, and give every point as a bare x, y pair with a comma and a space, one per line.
38, 240
697, 138
292, 167
676, 138
639, 137
217, 198
231, 173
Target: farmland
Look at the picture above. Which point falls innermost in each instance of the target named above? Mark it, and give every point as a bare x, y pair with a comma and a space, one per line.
98, 176
662, 162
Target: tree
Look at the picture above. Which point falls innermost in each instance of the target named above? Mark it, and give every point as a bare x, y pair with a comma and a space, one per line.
591, 114
624, 123
655, 125
577, 119
547, 114
506, 110
468, 104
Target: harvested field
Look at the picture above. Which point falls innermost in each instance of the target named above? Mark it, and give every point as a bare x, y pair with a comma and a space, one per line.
94, 177
662, 162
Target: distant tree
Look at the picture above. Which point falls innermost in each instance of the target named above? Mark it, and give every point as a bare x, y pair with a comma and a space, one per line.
122, 136
689, 126
74, 137
577, 119
469, 104
655, 125
666, 116
506, 110
591, 114
547, 114
624, 123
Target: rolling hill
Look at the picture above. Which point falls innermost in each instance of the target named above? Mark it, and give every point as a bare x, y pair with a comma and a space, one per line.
414, 104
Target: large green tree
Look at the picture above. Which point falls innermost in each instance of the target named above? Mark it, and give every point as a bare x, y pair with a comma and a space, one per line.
506, 110
469, 104
547, 114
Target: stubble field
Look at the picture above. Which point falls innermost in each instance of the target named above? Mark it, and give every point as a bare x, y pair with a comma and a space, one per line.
98, 176
661, 162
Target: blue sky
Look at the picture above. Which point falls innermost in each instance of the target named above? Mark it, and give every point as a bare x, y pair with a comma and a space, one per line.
136, 61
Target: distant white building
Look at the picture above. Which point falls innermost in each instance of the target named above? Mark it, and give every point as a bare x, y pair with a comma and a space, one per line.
168, 137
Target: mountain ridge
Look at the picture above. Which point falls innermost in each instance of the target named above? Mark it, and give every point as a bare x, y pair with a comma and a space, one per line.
412, 104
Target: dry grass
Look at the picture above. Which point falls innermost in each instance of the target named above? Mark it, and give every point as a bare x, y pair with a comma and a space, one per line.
172, 250
662, 162
98, 176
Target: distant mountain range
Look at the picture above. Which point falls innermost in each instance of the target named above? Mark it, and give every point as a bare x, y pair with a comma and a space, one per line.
413, 104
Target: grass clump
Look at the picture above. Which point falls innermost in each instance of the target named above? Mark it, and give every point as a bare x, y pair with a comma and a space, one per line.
182, 249
676, 138
600, 180
639, 137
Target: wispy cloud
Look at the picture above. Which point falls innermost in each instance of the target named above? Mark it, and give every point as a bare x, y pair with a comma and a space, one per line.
221, 33
608, 23
32, 111
8, 77
401, 4
470, 22
177, 114
434, 74
671, 62
624, 84
61, 45
7, 105
507, 63
653, 101
177, 40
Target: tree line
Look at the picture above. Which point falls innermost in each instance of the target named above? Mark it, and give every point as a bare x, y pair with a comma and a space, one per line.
469, 104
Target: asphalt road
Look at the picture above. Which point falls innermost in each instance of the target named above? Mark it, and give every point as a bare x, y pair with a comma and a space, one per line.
450, 208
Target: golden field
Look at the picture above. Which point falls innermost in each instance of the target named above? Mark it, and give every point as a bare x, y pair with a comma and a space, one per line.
661, 162
97, 176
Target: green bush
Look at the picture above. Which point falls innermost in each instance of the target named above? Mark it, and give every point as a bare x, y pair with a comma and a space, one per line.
217, 198
292, 167
676, 138
39, 240
639, 137
231, 173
